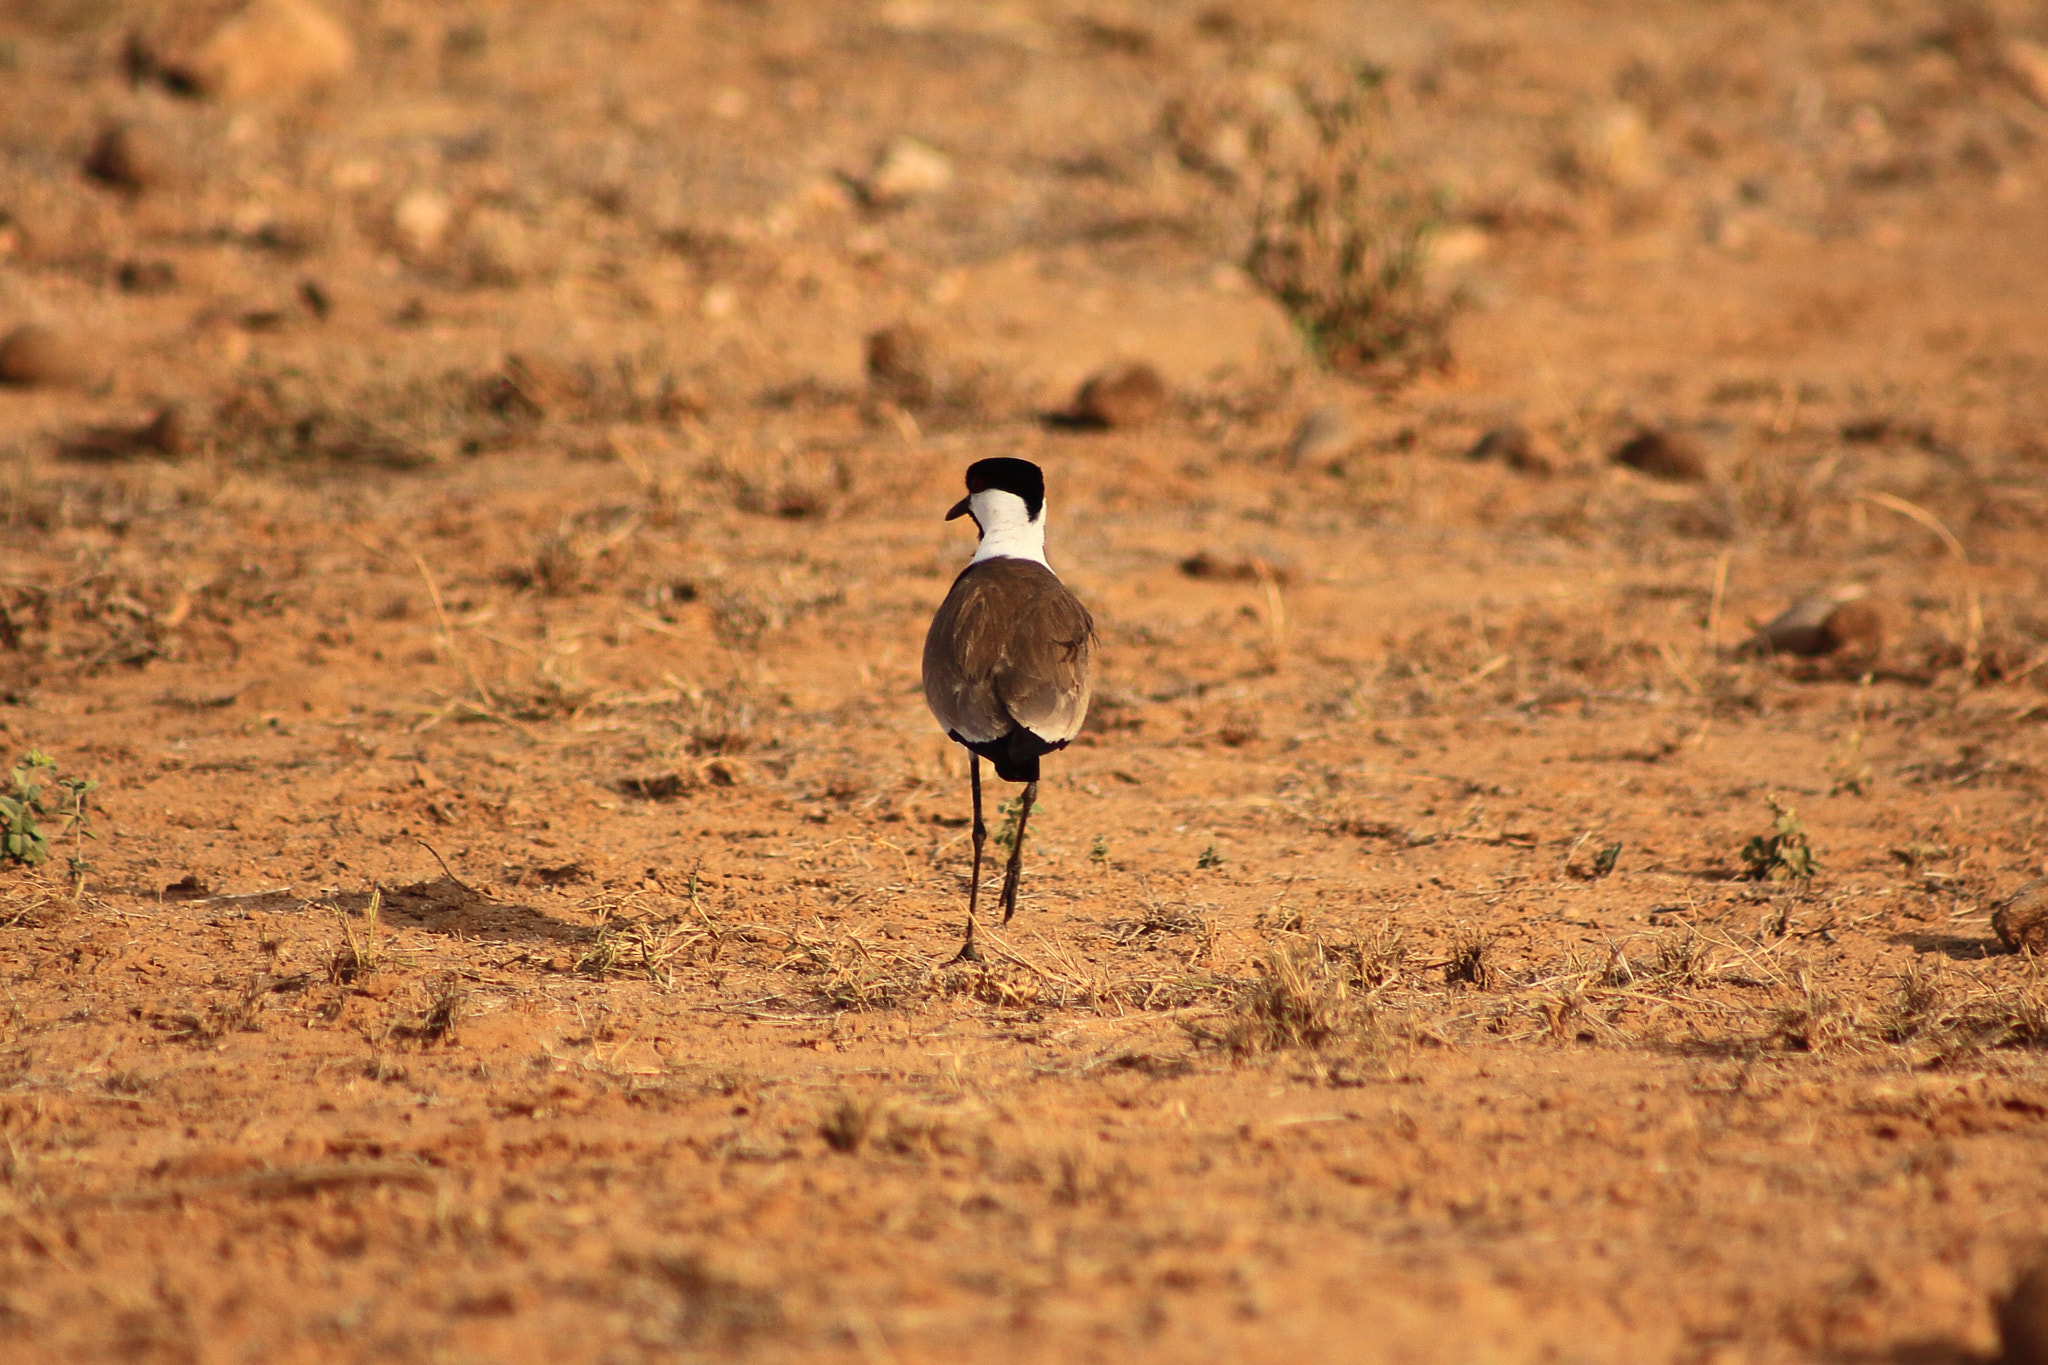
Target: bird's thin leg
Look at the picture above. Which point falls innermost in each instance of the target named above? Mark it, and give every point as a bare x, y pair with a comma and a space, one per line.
968, 952
1015, 870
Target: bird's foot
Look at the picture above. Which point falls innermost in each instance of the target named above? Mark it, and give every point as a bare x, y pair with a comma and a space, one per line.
968, 953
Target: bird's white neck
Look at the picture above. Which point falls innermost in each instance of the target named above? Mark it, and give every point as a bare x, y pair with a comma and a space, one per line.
1007, 530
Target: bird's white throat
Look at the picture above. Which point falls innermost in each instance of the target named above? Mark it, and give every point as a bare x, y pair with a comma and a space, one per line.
1007, 530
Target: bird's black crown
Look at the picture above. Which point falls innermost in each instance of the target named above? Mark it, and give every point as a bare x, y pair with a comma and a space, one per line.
1021, 477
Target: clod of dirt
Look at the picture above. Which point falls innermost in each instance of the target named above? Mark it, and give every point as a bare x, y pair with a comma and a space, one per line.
1854, 631
2023, 1319
34, 354
134, 158
1512, 445
899, 359
1613, 148
1123, 396
2021, 923
262, 49
420, 219
169, 432
1323, 435
906, 169
190, 887
147, 277
1250, 569
1832, 622
1663, 455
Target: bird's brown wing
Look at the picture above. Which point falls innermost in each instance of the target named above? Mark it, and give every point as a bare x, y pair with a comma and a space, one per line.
1009, 647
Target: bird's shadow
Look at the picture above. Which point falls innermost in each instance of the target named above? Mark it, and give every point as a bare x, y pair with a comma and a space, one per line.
444, 905
1956, 947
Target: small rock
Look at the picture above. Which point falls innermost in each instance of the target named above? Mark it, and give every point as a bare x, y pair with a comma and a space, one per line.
1127, 395
37, 355
2023, 1318
1854, 632
1324, 434
169, 432
1835, 622
906, 169
264, 48
1512, 446
1249, 569
147, 277
1663, 455
134, 158
1612, 146
2028, 63
899, 360
420, 218
2021, 923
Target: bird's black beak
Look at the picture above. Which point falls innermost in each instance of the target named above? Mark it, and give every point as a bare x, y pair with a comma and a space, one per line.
960, 509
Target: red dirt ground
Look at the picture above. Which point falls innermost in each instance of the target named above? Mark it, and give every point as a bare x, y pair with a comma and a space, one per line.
1322, 1033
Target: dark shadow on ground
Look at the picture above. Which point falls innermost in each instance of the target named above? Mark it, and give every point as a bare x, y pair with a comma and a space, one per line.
446, 906
1953, 946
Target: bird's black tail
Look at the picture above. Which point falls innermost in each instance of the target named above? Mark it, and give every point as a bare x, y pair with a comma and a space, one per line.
1016, 754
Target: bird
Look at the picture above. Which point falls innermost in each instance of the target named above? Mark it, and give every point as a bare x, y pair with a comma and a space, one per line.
1008, 658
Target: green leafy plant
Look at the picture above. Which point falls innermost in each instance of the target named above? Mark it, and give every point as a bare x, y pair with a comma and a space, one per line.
29, 805
1785, 854
1006, 833
1098, 852
1341, 241
1211, 857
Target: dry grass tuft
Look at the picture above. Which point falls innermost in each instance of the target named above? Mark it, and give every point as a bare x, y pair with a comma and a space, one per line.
652, 945
1468, 965
447, 1005
1814, 1022
29, 903
1299, 1001
847, 1122
361, 953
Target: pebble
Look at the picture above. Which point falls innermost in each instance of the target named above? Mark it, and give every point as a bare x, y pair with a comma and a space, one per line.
33, 354
2021, 921
1663, 455
421, 218
1832, 622
1323, 435
264, 48
1127, 395
169, 432
1512, 445
1613, 146
2023, 1316
1854, 631
1245, 569
906, 169
133, 157
147, 277
899, 361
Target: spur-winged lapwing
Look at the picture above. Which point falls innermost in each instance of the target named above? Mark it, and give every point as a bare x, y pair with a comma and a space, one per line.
1007, 659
